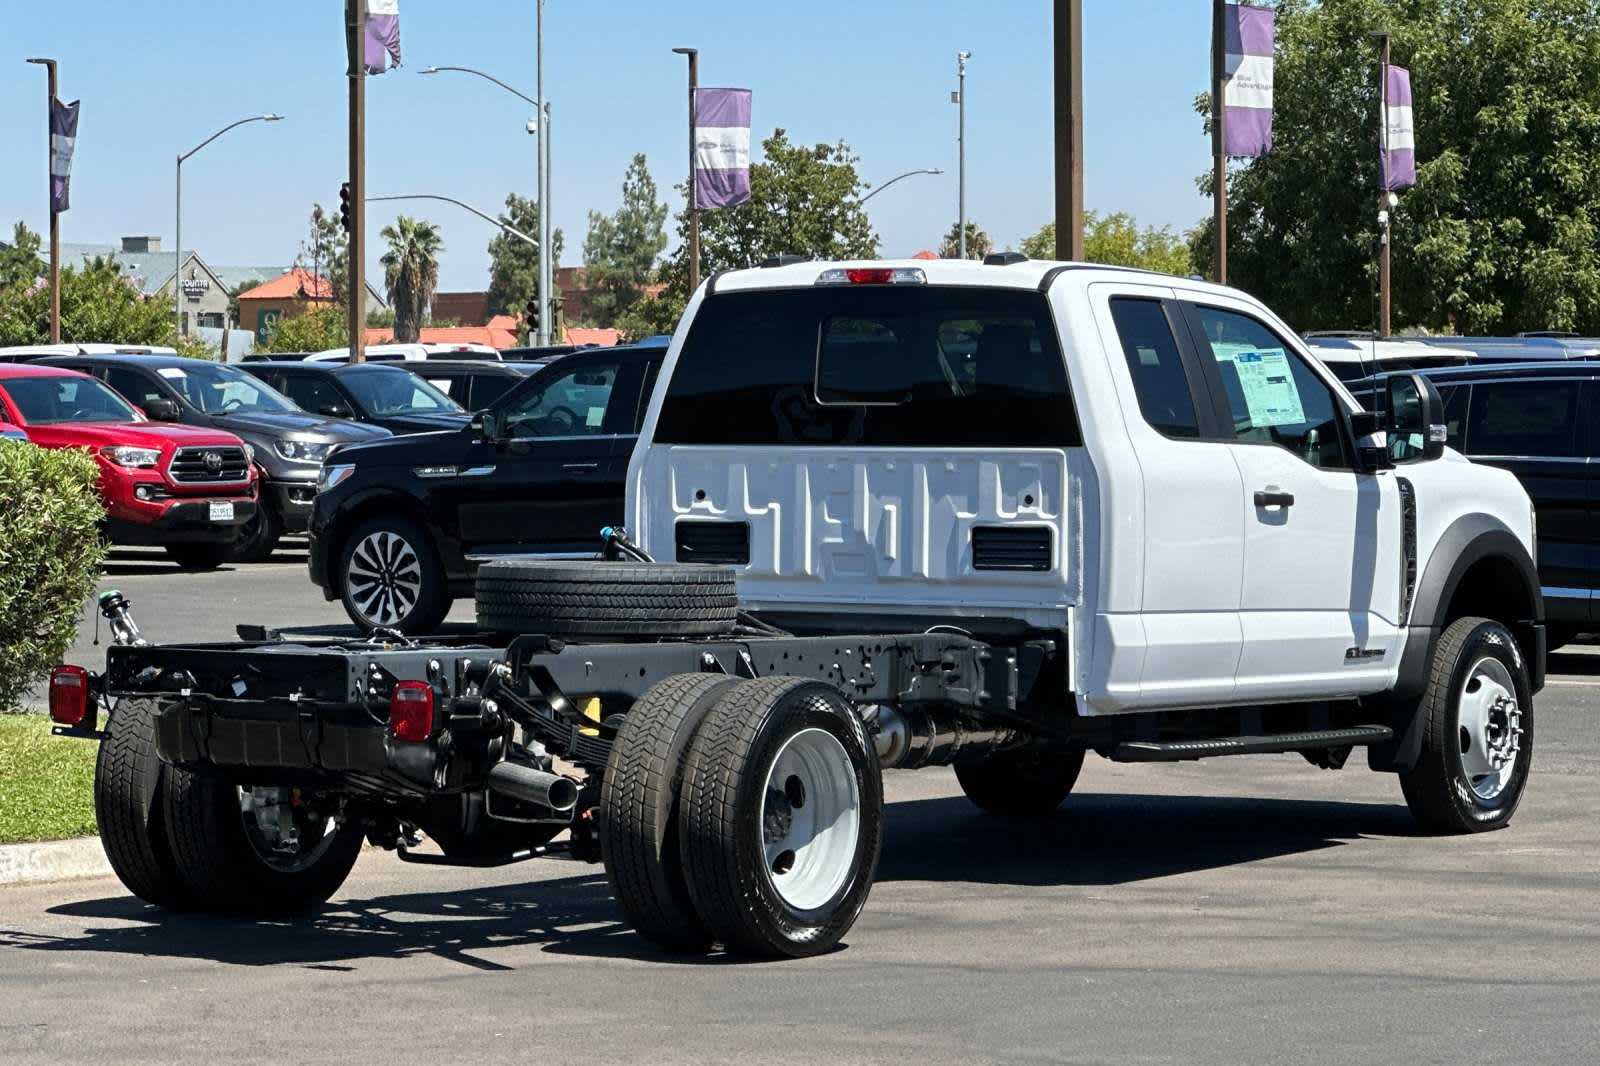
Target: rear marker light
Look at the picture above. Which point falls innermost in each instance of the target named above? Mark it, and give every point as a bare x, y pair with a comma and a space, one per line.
69, 695
411, 711
872, 276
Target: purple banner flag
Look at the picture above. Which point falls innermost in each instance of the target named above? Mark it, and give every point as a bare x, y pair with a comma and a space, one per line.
1247, 93
1399, 133
721, 147
63, 138
383, 35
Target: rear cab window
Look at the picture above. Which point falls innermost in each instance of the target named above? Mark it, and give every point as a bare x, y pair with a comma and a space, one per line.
872, 366
1533, 419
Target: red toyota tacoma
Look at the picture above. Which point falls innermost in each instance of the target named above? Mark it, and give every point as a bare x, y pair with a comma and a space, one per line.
186, 489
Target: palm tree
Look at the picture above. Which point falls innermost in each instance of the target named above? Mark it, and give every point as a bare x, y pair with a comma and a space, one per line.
411, 273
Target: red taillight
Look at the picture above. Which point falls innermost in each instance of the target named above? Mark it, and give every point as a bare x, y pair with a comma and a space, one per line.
69, 695
869, 275
411, 711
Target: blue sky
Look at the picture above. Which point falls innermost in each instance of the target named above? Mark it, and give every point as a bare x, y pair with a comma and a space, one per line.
878, 74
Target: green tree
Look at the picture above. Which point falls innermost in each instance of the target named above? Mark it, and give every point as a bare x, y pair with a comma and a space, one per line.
326, 250
979, 243
98, 304
411, 273
314, 331
1499, 234
20, 262
1117, 240
514, 263
620, 251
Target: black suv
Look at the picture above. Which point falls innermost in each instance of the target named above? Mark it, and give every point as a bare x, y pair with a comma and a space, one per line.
289, 444
473, 385
379, 394
1534, 419
400, 525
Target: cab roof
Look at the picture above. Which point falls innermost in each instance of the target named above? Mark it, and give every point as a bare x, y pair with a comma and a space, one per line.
1021, 274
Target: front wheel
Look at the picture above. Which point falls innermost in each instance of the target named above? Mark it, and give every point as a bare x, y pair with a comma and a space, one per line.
1477, 739
198, 556
259, 538
392, 577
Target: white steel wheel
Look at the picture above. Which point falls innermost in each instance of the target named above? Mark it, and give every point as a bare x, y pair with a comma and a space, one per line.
384, 578
810, 819
1489, 727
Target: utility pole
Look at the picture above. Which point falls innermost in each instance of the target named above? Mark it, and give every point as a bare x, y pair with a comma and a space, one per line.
1219, 142
1069, 130
547, 318
694, 199
355, 13
49, 186
543, 336
1385, 197
961, 152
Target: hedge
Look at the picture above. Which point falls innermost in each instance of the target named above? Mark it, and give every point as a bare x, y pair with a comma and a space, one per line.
50, 556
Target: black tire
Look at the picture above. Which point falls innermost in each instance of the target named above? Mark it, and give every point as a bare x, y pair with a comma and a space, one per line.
129, 807
639, 809
606, 599
720, 818
1026, 785
259, 538
222, 868
1438, 789
408, 591
198, 556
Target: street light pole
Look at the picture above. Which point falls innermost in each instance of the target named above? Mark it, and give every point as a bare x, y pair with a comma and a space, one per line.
961, 150
897, 177
50, 198
1069, 129
177, 252
502, 223
694, 198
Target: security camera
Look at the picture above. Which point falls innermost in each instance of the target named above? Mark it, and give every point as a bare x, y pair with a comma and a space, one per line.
533, 125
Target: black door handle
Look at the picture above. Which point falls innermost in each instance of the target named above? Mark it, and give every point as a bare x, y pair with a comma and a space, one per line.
1275, 499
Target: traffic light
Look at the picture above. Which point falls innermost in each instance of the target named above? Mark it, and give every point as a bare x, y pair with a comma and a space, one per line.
533, 314
344, 207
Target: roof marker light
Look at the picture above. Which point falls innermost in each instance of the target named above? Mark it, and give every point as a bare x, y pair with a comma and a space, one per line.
872, 276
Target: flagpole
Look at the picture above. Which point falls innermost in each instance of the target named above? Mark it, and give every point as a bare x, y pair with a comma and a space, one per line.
50, 198
355, 33
1383, 193
1219, 121
694, 198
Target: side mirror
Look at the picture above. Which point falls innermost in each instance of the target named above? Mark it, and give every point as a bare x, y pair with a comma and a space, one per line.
162, 409
484, 425
1414, 419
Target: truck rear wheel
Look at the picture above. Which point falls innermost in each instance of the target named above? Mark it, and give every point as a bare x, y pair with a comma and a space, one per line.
639, 809
256, 850
781, 818
1024, 785
129, 780
1477, 740
606, 599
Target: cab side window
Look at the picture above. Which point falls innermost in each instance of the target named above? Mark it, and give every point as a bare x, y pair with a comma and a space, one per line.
1156, 367
1274, 397
134, 386
1524, 418
573, 404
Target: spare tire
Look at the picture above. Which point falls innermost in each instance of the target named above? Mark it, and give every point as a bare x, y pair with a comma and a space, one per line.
606, 599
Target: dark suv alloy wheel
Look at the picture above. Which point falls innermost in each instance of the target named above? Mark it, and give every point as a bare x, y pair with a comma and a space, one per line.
391, 578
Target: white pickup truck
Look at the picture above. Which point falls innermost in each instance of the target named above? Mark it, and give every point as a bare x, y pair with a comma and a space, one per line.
884, 515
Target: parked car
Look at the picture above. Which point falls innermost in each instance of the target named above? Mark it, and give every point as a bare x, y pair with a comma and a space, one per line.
10, 432
473, 385
400, 526
27, 353
1533, 419
375, 393
289, 444
544, 353
190, 490
409, 353
1353, 355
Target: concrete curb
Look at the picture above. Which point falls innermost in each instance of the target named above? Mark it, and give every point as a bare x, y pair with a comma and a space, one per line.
53, 860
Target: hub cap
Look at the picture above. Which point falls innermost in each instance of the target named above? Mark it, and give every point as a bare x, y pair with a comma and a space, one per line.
810, 819
385, 578
286, 833
1489, 728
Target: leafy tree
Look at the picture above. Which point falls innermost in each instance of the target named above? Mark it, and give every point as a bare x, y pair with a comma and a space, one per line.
514, 263
979, 244
1500, 233
20, 261
314, 331
411, 273
326, 251
1117, 240
620, 252
97, 304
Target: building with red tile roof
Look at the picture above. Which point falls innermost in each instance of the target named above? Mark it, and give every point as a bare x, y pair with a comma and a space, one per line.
289, 295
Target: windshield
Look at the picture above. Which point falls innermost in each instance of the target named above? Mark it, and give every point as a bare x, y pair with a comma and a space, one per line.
221, 390
385, 391
48, 401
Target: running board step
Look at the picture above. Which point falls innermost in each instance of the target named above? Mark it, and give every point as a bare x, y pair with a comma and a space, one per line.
1181, 750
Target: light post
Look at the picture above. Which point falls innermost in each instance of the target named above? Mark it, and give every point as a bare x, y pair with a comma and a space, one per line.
961, 150
55, 217
897, 177
177, 270
693, 55
539, 127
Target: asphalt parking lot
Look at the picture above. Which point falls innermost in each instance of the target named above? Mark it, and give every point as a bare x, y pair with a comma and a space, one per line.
1229, 911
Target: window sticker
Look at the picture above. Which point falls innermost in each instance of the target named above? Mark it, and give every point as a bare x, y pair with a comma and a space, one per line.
171, 372
595, 417
1267, 381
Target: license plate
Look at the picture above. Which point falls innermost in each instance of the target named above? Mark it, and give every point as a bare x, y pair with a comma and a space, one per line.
222, 512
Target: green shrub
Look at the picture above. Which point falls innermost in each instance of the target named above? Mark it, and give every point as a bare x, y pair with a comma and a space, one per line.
50, 555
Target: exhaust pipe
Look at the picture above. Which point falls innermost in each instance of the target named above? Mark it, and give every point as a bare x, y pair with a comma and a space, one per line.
559, 794
912, 740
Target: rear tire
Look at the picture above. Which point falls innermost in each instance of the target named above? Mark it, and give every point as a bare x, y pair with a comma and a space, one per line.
390, 577
259, 539
639, 809
781, 818
606, 599
198, 556
1021, 786
1477, 739
129, 807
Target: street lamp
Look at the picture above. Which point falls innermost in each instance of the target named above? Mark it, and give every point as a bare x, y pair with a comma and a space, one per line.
539, 127
501, 222
177, 270
897, 177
